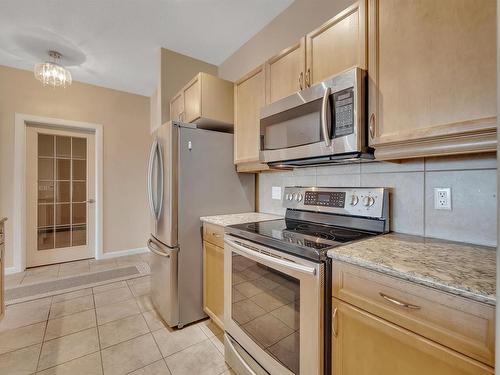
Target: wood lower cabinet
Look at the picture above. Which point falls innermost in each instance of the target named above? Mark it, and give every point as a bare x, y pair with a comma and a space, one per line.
364, 344
205, 99
213, 273
249, 98
337, 45
432, 77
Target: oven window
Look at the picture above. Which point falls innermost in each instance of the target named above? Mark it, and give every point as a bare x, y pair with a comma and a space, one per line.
295, 127
266, 305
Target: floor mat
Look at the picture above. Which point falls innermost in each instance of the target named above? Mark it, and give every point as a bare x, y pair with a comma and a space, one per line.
53, 287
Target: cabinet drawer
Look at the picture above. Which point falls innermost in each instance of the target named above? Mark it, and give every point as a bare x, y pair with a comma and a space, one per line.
458, 323
213, 234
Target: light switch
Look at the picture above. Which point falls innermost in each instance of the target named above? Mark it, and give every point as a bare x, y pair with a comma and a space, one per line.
276, 192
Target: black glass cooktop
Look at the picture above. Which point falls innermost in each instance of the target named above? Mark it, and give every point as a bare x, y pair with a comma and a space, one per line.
301, 238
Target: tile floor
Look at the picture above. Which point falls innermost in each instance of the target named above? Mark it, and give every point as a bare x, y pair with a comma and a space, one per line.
109, 329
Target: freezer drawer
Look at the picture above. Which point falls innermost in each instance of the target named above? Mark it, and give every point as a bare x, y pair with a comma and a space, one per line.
164, 284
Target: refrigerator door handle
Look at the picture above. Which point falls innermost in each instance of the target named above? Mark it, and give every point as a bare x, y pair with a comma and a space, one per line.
156, 250
159, 155
150, 178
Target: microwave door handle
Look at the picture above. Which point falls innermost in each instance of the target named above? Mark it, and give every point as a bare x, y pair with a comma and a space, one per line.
324, 117
271, 260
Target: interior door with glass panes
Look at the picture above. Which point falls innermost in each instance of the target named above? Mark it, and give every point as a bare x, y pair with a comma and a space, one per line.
60, 202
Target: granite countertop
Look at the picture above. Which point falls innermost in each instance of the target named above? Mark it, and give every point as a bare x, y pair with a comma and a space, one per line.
233, 219
462, 269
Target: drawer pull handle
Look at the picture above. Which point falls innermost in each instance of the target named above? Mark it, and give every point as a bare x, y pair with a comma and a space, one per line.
399, 303
216, 235
334, 323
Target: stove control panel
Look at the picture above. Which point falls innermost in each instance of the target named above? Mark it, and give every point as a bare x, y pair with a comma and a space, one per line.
368, 202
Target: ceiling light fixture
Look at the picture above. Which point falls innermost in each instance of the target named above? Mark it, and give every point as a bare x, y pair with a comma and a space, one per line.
51, 73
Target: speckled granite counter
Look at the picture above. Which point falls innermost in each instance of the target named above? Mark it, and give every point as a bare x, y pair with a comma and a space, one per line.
233, 219
458, 268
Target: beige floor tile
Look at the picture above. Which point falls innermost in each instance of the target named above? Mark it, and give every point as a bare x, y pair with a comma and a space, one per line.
145, 303
26, 313
73, 306
121, 330
67, 348
246, 310
139, 280
21, 337
87, 365
267, 329
269, 300
35, 279
106, 287
289, 314
287, 350
218, 341
154, 321
157, 368
209, 328
130, 355
141, 289
202, 358
174, 340
102, 265
51, 270
70, 324
20, 362
115, 311
14, 279
112, 296
74, 268
130, 260
71, 295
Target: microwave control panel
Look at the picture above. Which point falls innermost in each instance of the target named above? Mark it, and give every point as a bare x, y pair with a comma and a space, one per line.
343, 104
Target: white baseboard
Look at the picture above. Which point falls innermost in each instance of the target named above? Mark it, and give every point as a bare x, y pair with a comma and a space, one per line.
11, 270
120, 253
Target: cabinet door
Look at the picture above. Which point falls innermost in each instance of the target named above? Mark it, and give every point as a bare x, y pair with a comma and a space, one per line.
367, 345
337, 45
2, 270
432, 77
213, 282
177, 107
192, 100
249, 97
285, 72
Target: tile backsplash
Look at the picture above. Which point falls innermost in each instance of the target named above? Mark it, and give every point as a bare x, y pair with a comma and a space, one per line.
472, 179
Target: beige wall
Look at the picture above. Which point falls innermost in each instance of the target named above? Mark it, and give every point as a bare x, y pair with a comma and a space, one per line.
125, 120
297, 20
177, 70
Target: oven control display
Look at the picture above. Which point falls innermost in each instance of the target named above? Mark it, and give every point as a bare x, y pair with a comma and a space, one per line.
325, 198
343, 102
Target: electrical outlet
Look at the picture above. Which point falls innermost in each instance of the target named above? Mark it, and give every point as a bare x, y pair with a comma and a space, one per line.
276, 192
442, 199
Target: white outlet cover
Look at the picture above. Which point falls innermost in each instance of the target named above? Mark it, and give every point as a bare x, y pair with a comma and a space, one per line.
276, 192
442, 199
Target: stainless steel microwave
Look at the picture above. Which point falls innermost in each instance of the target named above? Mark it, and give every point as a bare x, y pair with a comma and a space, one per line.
323, 124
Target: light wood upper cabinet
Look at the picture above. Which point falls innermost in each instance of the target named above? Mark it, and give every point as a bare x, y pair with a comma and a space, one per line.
177, 107
364, 344
432, 77
249, 98
285, 72
213, 273
337, 45
204, 100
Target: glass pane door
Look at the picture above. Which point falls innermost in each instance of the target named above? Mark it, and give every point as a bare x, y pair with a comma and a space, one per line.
62, 191
266, 306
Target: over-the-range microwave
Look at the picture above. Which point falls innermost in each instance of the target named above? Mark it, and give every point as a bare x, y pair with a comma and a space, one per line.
323, 124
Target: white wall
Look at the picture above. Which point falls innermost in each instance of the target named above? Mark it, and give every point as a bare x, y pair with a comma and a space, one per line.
472, 179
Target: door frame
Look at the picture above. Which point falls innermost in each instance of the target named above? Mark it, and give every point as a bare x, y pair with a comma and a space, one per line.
22, 121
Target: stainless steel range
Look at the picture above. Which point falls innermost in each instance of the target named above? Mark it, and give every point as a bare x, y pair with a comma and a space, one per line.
278, 278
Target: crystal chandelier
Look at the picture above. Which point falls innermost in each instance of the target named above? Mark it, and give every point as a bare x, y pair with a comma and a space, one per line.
51, 73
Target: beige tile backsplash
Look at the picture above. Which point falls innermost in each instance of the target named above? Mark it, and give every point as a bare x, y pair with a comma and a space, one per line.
472, 180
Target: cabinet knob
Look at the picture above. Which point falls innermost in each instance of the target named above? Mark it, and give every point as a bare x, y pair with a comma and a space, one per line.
308, 78
301, 80
334, 323
371, 127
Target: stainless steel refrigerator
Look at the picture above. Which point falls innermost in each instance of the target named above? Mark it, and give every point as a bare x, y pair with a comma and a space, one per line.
190, 174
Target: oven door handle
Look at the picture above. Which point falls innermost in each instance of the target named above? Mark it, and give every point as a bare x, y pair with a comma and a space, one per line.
271, 260
324, 116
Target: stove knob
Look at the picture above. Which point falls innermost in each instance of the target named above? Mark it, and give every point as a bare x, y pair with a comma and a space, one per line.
292, 197
298, 198
287, 196
368, 201
354, 200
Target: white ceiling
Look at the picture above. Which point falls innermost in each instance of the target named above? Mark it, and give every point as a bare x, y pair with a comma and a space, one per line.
114, 43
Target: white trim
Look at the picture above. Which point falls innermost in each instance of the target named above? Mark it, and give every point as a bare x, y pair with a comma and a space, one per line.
121, 253
19, 219
11, 270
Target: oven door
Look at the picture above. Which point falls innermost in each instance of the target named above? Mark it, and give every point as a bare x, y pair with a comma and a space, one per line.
323, 120
273, 309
